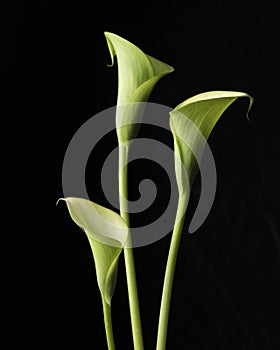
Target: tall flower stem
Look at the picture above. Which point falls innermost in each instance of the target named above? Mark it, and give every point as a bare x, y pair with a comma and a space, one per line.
169, 273
108, 324
128, 253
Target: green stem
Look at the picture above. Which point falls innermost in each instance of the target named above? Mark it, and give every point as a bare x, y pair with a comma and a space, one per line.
169, 273
108, 324
128, 254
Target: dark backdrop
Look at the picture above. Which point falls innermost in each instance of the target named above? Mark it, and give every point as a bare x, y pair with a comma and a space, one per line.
227, 284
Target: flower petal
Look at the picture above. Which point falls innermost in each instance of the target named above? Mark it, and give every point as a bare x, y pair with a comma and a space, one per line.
107, 233
138, 73
191, 123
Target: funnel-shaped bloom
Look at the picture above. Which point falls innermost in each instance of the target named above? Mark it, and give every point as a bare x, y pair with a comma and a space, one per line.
107, 233
138, 73
191, 123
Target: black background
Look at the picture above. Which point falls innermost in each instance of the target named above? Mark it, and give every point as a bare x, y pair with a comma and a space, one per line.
54, 75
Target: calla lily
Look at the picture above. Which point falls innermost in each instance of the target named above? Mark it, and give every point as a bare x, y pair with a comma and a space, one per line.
107, 233
191, 123
138, 74
194, 117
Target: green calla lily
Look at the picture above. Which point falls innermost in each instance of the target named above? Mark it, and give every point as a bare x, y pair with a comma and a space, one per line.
107, 233
138, 74
191, 123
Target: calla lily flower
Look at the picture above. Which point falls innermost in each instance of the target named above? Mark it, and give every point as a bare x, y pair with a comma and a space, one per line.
138, 74
107, 233
198, 113
191, 123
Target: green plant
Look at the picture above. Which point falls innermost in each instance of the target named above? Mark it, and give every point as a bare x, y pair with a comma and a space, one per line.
108, 232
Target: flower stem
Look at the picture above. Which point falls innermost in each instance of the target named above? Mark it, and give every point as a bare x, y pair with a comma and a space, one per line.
169, 273
128, 254
108, 324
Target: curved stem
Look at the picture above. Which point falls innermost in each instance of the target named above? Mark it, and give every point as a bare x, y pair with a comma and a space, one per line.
128, 254
169, 273
108, 324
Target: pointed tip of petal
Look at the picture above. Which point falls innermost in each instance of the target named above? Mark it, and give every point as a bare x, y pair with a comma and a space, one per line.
60, 199
249, 107
111, 48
